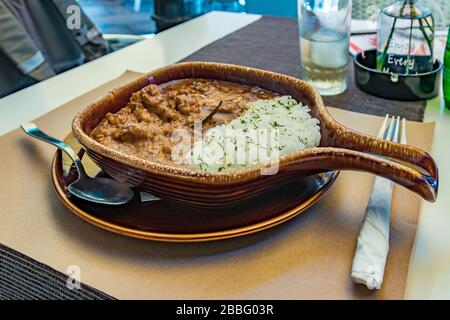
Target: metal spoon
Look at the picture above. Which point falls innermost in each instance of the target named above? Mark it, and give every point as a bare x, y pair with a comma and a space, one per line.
98, 190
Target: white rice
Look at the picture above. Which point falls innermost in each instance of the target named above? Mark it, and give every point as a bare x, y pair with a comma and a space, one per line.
268, 129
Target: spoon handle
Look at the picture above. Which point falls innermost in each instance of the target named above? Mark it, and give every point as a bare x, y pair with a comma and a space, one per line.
32, 130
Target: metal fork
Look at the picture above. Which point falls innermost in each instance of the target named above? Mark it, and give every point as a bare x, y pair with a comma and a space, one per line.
373, 241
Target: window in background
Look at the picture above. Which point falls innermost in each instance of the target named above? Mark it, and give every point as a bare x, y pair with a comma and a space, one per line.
138, 17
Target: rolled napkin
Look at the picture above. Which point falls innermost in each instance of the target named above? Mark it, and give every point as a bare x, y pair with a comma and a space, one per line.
373, 241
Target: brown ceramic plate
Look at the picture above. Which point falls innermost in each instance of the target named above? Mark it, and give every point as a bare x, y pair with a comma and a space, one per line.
340, 148
165, 221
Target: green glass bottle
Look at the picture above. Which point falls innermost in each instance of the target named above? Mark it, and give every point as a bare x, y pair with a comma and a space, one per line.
447, 73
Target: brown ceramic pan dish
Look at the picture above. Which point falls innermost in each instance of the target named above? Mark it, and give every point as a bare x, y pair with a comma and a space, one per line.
340, 148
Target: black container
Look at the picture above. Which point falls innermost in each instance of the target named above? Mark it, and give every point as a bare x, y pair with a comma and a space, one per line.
396, 87
169, 13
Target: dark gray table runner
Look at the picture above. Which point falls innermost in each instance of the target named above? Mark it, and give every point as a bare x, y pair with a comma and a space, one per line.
271, 43
23, 278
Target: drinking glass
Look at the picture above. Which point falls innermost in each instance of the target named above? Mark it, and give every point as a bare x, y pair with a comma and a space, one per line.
324, 35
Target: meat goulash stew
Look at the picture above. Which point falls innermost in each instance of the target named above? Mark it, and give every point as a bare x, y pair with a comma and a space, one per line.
145, 125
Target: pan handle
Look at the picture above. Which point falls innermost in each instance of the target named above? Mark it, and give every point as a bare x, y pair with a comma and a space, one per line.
406, 165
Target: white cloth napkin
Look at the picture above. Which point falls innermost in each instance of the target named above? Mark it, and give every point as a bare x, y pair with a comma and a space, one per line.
373, 241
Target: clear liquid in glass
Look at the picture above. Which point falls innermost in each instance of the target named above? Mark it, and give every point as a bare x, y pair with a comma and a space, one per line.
325, 60
324, 33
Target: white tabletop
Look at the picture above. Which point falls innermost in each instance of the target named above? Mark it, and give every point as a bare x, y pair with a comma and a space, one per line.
429, 274
429, 269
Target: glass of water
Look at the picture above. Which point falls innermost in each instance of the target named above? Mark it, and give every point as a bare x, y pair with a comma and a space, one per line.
324, 35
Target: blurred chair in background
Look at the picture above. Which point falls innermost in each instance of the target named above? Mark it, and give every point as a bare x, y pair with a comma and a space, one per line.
88, 36
46, 27
35, 43
11, 78
22, 62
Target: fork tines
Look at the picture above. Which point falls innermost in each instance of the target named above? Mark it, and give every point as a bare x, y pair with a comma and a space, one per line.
391, 132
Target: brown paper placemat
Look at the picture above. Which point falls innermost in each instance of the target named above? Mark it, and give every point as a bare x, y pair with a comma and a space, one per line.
272, 43
308, 257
